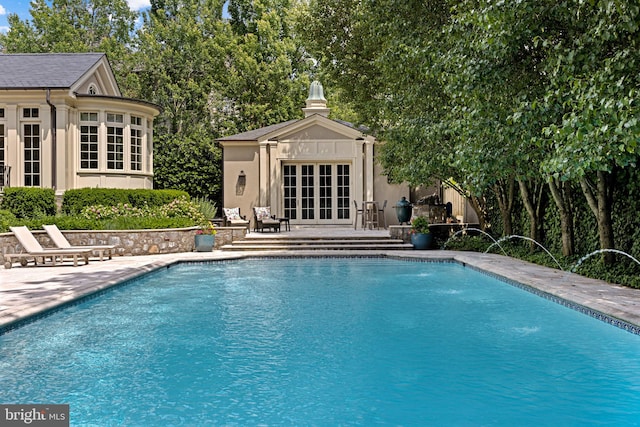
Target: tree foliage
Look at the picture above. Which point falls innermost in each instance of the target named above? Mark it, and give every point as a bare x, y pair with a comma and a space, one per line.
75, 26
211, 75
534, 97
485, 92
215, 77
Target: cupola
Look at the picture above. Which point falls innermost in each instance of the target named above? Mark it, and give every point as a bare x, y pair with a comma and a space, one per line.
316, 103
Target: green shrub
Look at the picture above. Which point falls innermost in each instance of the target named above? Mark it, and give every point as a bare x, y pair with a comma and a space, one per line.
102, 212
206, 206
69, 222
76, 200
177, 207
145, 223
181, 212
141, 198
467, 242
181, 207
64, 222
29, 202
7, 219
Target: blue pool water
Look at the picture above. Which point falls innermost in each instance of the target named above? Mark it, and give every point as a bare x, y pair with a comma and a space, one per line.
324, 342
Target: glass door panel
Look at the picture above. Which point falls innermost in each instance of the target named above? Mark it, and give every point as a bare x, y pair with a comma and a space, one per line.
308, 192
343, 196
325, 193
290, 191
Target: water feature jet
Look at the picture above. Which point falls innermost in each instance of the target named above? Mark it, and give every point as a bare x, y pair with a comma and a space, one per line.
599, 251
514, 236
464, 230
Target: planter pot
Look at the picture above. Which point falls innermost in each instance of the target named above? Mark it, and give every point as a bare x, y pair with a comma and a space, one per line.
204, 242
421, 241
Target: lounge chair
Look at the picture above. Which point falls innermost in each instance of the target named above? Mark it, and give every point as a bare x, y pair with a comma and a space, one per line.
232, 218
264, 219
36, 252
61, 242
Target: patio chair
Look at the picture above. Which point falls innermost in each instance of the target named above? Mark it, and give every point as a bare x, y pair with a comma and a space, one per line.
36, 252
264, 219
61, 242
232, 217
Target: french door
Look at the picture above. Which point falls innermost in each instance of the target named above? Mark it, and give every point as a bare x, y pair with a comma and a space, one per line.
317, 193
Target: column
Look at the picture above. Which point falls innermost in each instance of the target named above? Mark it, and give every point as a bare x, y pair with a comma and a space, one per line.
274, 179
368, 169
264, 192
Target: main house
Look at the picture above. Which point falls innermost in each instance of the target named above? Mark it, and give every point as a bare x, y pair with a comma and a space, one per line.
64, 124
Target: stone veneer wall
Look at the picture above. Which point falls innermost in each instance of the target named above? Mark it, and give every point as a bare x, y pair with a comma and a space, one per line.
400, 232
131, 242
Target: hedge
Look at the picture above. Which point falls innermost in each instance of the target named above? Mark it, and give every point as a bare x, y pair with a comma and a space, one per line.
75, 200
29, 202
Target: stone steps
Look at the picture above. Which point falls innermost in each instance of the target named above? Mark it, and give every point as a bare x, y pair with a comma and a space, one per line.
289, 243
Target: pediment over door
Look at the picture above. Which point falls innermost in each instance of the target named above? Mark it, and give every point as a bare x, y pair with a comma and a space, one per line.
315, 133
319, 142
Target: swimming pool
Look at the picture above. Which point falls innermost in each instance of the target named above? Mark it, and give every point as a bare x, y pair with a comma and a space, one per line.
324, 341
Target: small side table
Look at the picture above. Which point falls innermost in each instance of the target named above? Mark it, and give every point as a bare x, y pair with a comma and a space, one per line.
285, 221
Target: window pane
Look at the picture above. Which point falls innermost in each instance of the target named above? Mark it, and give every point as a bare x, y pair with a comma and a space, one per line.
31, 136
89, 147
115, 148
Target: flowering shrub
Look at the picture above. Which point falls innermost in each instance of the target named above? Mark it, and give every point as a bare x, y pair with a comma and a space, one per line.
180, 207
419, 225
110, 212
207, 228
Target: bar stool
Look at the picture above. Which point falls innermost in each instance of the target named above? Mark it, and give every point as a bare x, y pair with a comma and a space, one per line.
358, 212
370, 214
381, 215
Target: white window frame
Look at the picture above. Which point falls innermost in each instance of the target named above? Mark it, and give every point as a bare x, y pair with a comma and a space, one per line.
32, 174
90, 119
115, 141
136, 132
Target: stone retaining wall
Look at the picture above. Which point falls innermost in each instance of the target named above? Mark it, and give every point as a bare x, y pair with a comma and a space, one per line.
400, 232
130, 242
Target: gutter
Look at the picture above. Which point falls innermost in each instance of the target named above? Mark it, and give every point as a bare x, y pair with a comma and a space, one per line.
54, 142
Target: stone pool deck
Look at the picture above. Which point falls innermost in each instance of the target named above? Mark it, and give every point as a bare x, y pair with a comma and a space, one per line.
29, 291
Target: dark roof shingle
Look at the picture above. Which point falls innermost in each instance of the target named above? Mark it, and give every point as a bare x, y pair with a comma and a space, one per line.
44, 70
254, 135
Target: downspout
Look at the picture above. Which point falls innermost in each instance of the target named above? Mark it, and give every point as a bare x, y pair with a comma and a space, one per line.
54, 132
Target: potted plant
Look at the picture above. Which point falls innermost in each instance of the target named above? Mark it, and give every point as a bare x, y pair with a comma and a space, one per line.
205, 237
420, 235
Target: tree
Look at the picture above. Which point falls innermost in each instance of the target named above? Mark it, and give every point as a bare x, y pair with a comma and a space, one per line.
179, 53
75, 26
215, 77
594, 78
266, 71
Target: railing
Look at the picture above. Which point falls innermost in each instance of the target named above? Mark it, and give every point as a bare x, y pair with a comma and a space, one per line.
5, 176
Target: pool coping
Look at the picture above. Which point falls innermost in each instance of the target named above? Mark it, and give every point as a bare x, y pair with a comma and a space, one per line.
29, 293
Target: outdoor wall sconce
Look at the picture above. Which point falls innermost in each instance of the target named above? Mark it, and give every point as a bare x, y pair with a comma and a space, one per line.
241, 183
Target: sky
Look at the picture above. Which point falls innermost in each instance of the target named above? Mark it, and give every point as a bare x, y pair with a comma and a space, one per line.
21, 7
